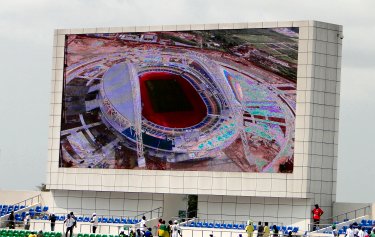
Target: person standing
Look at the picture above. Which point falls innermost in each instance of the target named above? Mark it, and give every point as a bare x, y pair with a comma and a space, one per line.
52, 219
26, 221
142, 225
94, 222
355, 229
74, 221
275, 231
317, 213
176, 230
249, 229
266, 230
69, 222
162, 229
11, 220
349, 232
361, 232
260, 229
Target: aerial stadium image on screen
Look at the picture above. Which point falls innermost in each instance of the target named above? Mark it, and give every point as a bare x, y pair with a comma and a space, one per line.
212, 100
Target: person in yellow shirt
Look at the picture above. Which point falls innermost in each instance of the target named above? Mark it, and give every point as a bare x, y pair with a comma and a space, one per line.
32, 234
266, 230
162, 232
249, 229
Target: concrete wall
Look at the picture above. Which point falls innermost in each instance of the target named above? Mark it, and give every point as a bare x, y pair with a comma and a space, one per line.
352, 210
11, 197
172, 204
102, 203
280, 211
317, 111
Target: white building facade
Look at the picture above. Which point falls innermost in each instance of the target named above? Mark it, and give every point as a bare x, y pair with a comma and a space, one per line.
285, 198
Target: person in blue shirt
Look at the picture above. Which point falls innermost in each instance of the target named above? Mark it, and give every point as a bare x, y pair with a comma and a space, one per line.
148, 233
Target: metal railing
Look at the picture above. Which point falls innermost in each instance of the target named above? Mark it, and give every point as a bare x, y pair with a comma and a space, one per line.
81, 227
154, 213
316, 227
363, 211
242, 219
226, 233
30, 201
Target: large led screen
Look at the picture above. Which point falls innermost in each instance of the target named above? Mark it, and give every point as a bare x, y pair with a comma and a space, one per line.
215, 100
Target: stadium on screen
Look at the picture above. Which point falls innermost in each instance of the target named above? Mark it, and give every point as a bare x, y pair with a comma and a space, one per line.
219, 100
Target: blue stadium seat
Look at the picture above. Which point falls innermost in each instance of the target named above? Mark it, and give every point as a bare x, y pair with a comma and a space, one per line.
210, 225
130, 221
38, 209
104, 220
229, 226
341, 232
235, 226
110, 220
80, 219
295, 229
16, 207
363, 222
290, 228
45, 208
241, 227
62, 218
217, 225
205, 225
199, 224
86, 219
192, 224
99, 219
283, 228
45, 217
22, 207
117, 220
223, 226
123, 221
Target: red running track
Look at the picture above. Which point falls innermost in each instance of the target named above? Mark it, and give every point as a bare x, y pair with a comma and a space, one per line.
175, 119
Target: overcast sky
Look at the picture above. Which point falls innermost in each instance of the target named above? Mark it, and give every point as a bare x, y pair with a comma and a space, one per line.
26, 33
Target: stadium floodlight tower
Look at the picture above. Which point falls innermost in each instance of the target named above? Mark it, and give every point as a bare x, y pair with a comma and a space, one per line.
136, 93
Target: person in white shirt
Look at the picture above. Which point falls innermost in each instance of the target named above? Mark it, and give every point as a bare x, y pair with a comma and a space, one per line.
361, 232
69, 223
94, 222
142, 225
349, 232
26, 221
176, 230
